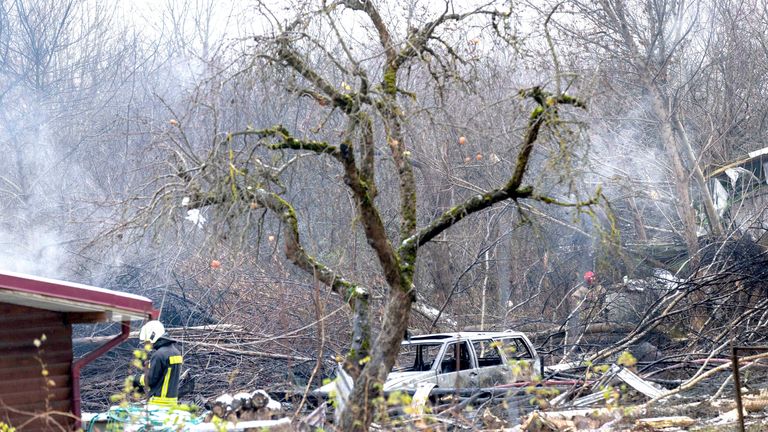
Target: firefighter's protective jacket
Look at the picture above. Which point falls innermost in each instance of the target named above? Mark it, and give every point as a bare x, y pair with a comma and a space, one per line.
162, 377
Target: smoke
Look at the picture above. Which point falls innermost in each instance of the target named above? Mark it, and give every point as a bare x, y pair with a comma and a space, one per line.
77, 101
624, 153
35, 188
39, 251
628, 160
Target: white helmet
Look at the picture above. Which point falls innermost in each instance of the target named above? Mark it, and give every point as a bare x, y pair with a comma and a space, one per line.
151, 331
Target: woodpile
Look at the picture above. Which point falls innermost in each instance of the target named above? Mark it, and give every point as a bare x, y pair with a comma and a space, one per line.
243, 406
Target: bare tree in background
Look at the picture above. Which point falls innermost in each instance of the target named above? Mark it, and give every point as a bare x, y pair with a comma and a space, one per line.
662, 45
61, 67
351, 134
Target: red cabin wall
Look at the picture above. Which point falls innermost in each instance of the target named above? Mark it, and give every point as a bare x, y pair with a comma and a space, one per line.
22, 385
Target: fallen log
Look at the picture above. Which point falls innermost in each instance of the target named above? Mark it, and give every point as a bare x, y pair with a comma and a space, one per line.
665, 422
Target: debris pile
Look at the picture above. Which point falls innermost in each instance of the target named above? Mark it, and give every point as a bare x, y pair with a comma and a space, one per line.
243, 406
619, 398
582, 397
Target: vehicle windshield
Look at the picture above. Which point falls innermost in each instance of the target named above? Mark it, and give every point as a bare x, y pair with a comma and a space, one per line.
415, 357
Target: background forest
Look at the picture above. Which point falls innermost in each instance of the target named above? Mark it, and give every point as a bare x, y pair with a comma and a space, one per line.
142, 153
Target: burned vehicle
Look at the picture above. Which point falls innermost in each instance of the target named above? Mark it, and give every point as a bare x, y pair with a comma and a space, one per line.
464, 359
458, 360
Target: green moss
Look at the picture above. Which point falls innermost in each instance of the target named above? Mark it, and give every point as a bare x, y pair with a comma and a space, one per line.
364, 184
538, 111
525, 190
566, 99
455, 212
390, 81
365, 199
405, 262
289, 214
410, 94
345, 101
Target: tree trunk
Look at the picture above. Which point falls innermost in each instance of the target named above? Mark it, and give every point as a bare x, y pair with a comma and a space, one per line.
361, 333
504, 275
366, 394
715, 226
683, 202
637, 219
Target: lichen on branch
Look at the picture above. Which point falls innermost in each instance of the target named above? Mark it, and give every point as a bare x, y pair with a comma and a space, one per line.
546, 109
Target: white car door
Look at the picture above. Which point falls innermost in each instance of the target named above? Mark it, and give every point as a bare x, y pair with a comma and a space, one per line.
492, 369
457, 367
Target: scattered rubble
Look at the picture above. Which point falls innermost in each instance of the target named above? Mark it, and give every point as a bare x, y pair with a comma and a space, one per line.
615, 398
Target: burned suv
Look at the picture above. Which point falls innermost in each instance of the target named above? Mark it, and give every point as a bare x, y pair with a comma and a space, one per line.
464, 359
455, 360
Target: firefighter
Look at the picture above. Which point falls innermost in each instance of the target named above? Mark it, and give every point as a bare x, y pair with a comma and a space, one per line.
590, 279
161, 379
596, 296
584, 291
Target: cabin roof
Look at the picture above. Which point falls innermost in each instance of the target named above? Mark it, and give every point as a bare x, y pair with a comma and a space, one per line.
98, 304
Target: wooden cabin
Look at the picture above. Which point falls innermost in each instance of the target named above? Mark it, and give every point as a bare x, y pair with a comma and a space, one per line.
739, 193
39, 379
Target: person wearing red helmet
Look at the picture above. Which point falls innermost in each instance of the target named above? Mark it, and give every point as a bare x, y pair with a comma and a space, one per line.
590, 278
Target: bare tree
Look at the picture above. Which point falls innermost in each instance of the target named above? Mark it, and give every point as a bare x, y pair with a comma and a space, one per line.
354, 73
657, 43
59, 73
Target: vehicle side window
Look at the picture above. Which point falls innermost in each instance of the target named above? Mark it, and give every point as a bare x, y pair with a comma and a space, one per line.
416, 357
515, 348
456, 357
487, 352
426, 357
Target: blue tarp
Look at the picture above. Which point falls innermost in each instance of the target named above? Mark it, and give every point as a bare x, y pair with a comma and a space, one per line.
140, 417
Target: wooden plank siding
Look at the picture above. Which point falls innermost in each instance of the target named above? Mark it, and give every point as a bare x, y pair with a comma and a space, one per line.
23, 387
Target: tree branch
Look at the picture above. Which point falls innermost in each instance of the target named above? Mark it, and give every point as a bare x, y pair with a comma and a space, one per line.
288, 141
293, 248
512, 189
343, 101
